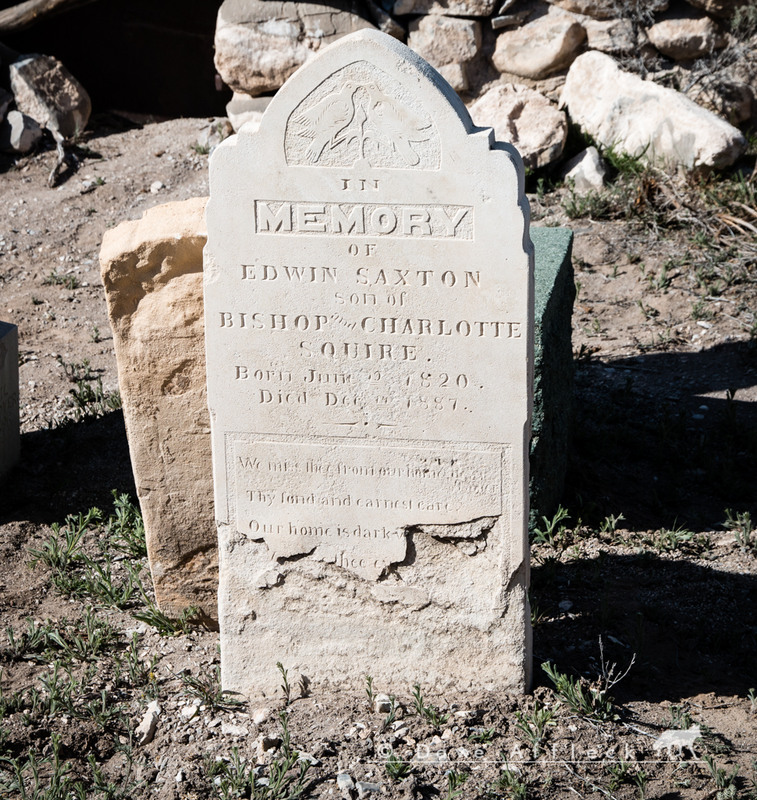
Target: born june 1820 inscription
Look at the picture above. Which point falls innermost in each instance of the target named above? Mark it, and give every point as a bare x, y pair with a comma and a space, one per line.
368, 296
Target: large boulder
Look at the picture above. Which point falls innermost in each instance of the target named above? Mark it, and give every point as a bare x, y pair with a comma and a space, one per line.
152, 273
685, 36
525, 118
242, 109
539, 48
260, 43
641, 118
614, 36
447, 43
46, 91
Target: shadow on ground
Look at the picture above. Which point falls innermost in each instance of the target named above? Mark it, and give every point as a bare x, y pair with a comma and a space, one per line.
650, 444
692, 628
67, 469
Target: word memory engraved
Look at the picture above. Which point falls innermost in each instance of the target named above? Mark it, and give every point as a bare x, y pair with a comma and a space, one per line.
368, 313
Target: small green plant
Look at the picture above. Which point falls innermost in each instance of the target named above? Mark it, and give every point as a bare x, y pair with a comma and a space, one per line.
396, 769
455, 782
677, 538
579, 696
430, 713
752, 697
369, 690
63, 548
125, 527
163, 624
95, 335
534, 726
610, 523
740, 522
201, 149
207, 688
56, 279
391, 716
552, 530
725, 782
482, 735
286, 687
680, 718
510, 784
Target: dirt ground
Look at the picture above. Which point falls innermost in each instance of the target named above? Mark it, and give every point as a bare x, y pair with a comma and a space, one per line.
645, 571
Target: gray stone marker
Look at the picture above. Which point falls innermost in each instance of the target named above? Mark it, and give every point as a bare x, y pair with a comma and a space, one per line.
10, 441
369, 340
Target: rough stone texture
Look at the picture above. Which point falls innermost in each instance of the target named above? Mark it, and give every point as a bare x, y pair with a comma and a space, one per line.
242, 109
46, 91
525, 118
603, 9
553, 367
684, 37
639, 117
19, 133
539, 48
10, 441
362, 528
459, 8
152, 273
613, 36
446, 42
586, 171
260, 43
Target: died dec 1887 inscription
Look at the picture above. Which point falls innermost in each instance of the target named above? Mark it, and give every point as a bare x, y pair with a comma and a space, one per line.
368, 301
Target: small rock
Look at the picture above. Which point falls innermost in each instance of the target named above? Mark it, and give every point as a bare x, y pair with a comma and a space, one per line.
364, 788
382, 704
46, 91
344, 783
145, 731
614, 36
565, 605
180, 776
539, 48
266, 744
227, 729
19, 133
188, 712
525, 118
685, 36
242, 109
156, 186
308, 757
260, 715
509, 20
586, 171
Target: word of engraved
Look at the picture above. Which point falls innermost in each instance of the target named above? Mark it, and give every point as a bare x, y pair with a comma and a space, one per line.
267, 272
364, 276
335, 219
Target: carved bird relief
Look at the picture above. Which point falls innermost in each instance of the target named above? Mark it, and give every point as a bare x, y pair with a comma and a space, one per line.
394, 125
327, 120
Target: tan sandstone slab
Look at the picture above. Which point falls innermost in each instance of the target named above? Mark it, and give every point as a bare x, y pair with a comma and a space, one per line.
369, 330
152, 273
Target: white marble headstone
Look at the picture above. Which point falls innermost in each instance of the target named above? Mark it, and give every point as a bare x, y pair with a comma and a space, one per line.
10, 442
369, 326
